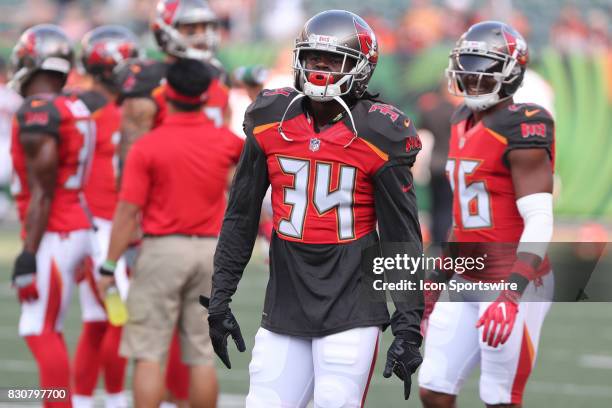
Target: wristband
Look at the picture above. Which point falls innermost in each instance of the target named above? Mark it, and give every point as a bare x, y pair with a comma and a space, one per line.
522, 274
108, 268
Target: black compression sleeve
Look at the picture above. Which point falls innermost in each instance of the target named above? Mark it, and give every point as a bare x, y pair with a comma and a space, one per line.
396, 211
240, 225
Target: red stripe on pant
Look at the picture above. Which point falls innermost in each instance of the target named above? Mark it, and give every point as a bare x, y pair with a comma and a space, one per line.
365, 392
48, 348
91, 280
523, 369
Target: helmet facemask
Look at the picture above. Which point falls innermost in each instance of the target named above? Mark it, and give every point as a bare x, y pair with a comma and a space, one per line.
198, 46
323, 86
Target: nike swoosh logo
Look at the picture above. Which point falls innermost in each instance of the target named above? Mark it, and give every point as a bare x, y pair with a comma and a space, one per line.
530, 113
407, 188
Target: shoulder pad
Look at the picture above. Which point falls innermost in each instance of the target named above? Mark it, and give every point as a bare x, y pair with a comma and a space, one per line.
140, 78
38, 114
460, 114
523, 126
387, 128
269, 107
93, 100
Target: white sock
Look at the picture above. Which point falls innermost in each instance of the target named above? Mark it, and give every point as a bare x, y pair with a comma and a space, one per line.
117, 400
82, 401
166, 404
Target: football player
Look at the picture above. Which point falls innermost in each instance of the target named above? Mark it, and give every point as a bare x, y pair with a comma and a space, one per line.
53, 140
102, 49
182, 29
338, 162
500, 167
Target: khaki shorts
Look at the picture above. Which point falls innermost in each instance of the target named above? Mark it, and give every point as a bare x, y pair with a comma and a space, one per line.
170, 274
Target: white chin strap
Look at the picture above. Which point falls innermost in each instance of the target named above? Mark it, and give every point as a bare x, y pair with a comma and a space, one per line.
335, 98
324, 93
481, 103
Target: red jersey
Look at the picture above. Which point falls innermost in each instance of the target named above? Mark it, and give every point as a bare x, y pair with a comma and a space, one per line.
178, 174
68, 120
147, 79
101, 187
484, 204
332, 166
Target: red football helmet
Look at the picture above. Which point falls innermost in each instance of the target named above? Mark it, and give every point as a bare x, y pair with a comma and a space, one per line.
171, 14
44, 47
104, 47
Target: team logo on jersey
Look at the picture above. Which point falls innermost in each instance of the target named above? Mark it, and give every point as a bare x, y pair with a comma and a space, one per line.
387, 110
36, 118
533, 129
280, 91
413, 143
315, 144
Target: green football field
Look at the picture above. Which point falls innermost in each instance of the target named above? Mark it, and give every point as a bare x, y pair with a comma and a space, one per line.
574, 367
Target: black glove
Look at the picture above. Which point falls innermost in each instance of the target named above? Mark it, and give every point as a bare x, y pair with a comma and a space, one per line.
403, 358
24, 276
221, 325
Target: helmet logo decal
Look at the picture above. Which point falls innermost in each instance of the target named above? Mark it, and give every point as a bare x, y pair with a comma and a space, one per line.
514, 43
367, 41
316, 39
29, 46
169, 11
473, 45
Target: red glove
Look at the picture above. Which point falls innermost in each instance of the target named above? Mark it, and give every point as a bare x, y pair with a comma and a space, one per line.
498, 320
24, 277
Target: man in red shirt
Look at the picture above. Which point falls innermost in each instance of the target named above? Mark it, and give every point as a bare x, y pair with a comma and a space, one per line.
182, 29
176, 176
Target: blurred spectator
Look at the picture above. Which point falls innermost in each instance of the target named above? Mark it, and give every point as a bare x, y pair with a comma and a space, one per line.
569, 34
385, 32
599, 37
34, 12
74, 21
435, 111
420, 27
283, 19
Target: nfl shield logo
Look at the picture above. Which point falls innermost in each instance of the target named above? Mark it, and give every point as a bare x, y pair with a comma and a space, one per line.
315, 144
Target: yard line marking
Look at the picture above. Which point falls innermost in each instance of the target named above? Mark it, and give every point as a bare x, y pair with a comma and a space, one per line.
596, 361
